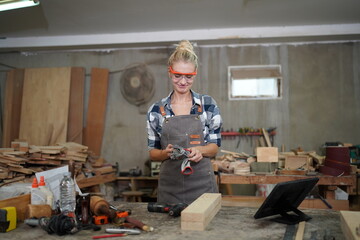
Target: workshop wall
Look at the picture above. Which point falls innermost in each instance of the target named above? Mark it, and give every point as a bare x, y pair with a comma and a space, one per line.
320, 93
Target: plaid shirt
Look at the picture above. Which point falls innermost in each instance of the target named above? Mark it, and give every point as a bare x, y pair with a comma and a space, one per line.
210, 118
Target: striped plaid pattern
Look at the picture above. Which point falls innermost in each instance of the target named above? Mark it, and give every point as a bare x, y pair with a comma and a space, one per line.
210, 118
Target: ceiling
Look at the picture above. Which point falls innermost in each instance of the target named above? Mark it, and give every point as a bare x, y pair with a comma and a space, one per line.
119, 23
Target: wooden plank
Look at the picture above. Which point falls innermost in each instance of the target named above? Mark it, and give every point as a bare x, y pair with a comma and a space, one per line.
74, 146
266, 136
21, 170
76, 105
45, 104
20, 203
300, 231
267, 154
95, 118
44, 162
4, 174
104, 170
350, 221
16, 179
200, 212
88, 182
273, 179
12, 106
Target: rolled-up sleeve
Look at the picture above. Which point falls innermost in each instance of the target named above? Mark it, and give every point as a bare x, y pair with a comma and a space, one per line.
214, 121
153, 127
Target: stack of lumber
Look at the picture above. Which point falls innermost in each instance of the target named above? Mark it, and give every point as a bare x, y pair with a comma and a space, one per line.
21, 161
295, 162
12, 166
230, 161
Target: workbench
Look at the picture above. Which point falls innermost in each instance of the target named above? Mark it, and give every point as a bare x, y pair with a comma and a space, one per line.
229, 223
349, 183
329, 183
137, 182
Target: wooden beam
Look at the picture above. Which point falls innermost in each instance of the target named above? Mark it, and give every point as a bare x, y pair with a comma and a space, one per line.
95, 118
20, 203
88, 182
200, 212
300, 231
12, 106
266, 136
76, 105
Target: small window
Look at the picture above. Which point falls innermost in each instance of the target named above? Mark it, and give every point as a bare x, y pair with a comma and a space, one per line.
254, 82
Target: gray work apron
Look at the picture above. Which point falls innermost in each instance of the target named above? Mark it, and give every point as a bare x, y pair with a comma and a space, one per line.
174, 187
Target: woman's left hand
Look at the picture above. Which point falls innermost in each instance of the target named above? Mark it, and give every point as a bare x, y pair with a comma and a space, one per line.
195, 155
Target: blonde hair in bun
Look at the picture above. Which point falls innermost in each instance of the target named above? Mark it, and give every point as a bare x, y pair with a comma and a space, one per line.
184, 52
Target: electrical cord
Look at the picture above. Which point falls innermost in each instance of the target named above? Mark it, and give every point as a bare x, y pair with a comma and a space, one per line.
59, 224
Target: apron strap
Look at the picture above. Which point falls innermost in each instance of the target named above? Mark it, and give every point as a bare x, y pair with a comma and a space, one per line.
199, 109
162, 111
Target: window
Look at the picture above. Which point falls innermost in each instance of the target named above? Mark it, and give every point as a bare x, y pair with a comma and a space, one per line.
254, 82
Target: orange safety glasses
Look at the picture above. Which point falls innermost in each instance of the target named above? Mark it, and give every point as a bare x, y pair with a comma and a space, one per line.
180, 75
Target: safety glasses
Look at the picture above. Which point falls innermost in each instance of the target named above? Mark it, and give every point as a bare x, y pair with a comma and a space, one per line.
179, 75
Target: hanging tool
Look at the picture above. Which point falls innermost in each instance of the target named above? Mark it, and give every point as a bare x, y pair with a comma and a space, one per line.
180, 153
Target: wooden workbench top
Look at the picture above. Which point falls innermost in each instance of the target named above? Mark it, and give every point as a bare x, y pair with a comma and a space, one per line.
229, 223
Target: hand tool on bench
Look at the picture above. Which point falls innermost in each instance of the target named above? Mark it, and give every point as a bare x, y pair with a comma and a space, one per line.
172, 209
139, 224
110, 236
129, 231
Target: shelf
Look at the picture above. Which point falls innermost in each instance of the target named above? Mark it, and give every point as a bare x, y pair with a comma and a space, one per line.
273, 133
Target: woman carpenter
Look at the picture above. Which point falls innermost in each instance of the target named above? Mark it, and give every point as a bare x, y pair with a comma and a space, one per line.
188, 120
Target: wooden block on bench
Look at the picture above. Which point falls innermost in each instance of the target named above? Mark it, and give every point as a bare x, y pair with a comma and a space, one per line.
199, 213
296, 162
267, 154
